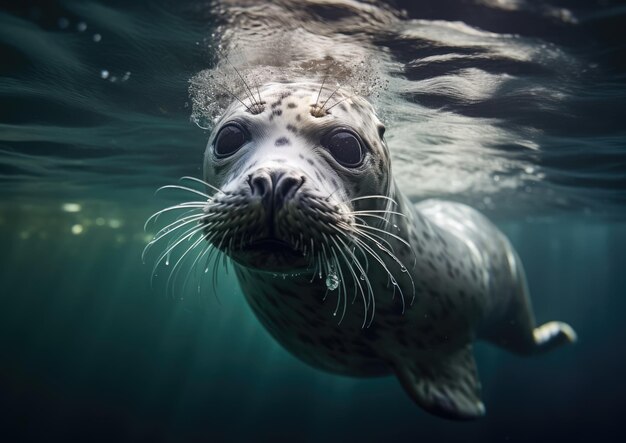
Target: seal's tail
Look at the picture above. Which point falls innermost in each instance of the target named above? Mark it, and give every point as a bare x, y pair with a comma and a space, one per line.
552, 335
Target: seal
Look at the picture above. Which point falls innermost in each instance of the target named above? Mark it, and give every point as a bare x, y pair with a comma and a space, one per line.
335, 261
340, 267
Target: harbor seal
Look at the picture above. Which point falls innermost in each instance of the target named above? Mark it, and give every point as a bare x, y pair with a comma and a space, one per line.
337, 264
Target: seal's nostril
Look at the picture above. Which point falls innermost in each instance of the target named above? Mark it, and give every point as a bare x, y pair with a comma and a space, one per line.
286, 186
260, 185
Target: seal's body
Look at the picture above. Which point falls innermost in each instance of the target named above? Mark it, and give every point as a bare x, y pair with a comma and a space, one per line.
341, 268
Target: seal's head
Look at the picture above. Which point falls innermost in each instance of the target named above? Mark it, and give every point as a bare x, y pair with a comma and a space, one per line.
295, 170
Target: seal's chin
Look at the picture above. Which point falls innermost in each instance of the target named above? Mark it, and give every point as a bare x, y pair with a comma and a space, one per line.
270, 255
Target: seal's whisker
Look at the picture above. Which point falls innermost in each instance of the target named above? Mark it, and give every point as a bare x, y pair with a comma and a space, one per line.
217, 259
210, 253
232, 94
171, 227
368, 197
400, 239
340, 272
203, 251
329, 97
190, 233
376, 211
186, 205
327, 263
202, 182
259, 94
403, 268
164, 233
250, 95
348, 231
370, 291
173, 240
361, 219
185, 188
322, 86
356, 280
214, 274
175, 268
343, 284
376, 257
357, 228
257, 106
340, 101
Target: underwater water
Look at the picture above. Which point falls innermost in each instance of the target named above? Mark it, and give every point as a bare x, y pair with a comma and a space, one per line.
514, 107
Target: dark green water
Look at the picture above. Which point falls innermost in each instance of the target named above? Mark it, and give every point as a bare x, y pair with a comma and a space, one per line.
89, 351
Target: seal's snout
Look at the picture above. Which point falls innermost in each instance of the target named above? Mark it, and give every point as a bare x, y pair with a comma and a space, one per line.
274, 187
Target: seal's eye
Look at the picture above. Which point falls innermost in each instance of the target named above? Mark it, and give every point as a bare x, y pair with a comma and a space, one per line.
230, 138
345, 147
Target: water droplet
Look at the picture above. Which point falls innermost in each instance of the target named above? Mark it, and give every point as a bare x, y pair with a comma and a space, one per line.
362, 277
395, 226
206, 270
403, 268
332, 281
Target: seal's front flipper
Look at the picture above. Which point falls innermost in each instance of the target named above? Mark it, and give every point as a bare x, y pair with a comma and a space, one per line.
448, 386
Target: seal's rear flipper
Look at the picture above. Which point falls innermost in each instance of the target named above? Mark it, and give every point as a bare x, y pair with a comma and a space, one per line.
449, 387
552, 335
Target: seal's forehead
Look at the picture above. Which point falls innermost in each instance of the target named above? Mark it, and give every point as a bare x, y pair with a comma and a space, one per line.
307, 104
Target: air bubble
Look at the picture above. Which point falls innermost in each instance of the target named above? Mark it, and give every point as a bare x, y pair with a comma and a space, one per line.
332, 281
